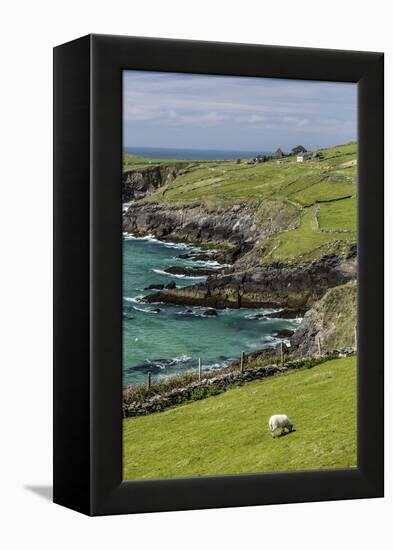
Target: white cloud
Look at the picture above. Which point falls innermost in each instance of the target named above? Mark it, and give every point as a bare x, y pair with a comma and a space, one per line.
235, 104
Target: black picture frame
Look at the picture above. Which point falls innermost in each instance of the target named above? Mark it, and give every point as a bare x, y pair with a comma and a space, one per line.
88, 274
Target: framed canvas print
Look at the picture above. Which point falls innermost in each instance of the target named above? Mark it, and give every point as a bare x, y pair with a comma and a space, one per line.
218, 275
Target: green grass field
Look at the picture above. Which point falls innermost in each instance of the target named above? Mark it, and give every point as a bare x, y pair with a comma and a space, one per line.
229, 181
283, 195
306, 241
338, 215
228, 433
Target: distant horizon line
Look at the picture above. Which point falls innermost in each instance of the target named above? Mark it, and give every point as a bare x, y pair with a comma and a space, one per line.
187, 148
231, 150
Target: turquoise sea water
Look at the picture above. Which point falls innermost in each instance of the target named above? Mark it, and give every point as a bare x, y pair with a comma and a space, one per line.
170, 341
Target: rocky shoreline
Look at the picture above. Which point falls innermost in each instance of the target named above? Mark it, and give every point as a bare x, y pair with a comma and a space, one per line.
235, 231
292, 287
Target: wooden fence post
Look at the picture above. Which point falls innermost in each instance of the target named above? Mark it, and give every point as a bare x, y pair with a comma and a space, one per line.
242, 362
199, 369
149, 379
319, 345
356, 337
282, 353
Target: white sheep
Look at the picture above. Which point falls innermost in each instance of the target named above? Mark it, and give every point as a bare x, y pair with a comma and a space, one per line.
279, 421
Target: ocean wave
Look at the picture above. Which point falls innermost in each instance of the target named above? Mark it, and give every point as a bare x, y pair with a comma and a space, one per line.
150, 238
145, 310
270, 338
213, 264
277, 340
181, 359
178, 276
256, 313
181, 246
170, 362
133, 300
193, 312
218, 365
188, 313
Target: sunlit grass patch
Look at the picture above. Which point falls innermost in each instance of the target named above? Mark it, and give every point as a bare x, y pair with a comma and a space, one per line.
228, 433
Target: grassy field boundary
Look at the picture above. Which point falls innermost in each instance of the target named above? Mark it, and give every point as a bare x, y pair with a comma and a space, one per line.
141, 399
228, 433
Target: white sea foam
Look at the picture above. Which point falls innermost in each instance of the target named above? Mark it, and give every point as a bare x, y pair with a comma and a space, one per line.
168, 244
261, 311
276, 340
181, 246
178, 276
131, 237
144, 310
182, 358
218, 365
163, 363
270, 338
150, 238
213, 264
134, 300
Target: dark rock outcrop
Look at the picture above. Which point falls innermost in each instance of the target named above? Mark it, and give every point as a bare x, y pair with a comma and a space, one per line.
285, 314
191, 271
171, 285
329, 325
210, 312
291, 287
140, 182
285, 333
194, 223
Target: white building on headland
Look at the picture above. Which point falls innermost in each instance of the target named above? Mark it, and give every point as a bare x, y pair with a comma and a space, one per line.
301, 157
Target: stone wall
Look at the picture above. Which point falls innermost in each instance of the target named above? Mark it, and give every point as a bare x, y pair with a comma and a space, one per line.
217, 384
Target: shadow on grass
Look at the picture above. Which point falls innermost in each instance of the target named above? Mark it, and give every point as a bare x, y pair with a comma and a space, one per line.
283, 434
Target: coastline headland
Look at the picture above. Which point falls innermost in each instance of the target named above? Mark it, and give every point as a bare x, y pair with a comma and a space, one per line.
283, 236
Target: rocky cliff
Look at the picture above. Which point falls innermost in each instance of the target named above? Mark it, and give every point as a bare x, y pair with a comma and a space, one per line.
140, 182
331, 320
193, 222
236, 228
294, 287
245, 232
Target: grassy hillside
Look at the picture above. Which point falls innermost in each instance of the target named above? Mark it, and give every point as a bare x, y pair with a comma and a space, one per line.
335, 316
338, 215
228, 433
316, 199
230, 181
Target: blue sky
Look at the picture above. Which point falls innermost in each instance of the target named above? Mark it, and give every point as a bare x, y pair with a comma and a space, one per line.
236, 113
